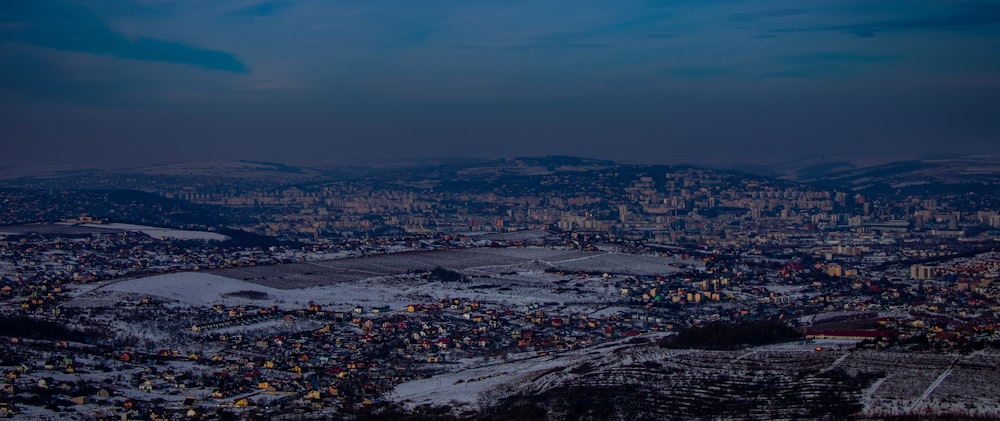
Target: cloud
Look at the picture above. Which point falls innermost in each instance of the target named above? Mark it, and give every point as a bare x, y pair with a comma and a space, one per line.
824, 65
547, 41
585, 25
262, 9
813, 65
833, 57
558, 43
66, 26
965, 17
43, 77
764, 14
697, 72
29, 76
665, 35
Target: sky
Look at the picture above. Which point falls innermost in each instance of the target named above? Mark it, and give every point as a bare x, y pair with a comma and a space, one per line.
132, 82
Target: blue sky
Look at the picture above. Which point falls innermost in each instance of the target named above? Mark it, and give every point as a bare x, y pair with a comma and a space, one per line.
139, 81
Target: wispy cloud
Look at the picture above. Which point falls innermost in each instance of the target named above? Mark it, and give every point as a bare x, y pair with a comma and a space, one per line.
67, 26
696, 72
262, 9
48, 76
559, 45
28, 76
813, 65
833, 57
765, 14
964, 16
564, 40
824, 65
583, 26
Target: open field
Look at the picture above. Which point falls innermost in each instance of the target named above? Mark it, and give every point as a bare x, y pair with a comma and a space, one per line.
395, 291
481, 261
65, 228
55, 229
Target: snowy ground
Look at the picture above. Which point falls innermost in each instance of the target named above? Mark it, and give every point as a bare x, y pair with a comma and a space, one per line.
478, 261
476, 381
517, 276
75, 228
191, 288
201, 289
905, 383
909, 383
157, 232
464, 388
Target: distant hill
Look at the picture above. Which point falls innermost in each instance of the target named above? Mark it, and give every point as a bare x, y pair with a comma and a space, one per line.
975, 174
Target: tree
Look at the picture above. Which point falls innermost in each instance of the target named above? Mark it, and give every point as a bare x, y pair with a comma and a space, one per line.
444, 275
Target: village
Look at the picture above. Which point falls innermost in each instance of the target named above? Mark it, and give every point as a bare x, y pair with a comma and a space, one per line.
135, 346
310, 359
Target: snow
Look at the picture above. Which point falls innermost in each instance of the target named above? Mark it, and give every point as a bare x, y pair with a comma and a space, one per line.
609, 311
200, 289
465, 387
473, 262
811, 344
478, 381
783, 289
930, 389
192, 288
157, 232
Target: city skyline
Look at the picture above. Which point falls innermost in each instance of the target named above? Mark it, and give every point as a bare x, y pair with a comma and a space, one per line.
141, 82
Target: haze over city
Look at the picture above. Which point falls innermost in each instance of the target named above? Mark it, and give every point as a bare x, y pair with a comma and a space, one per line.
118, 83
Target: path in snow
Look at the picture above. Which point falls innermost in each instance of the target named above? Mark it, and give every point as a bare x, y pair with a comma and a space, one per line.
836, 362
744, 355
937, 382
866, 400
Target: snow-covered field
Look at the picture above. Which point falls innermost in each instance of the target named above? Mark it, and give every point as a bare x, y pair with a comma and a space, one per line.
191, 288
463, 389
157, 232
514, 276
205, 289
478, 261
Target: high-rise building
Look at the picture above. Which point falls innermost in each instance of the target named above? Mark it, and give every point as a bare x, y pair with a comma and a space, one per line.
923, 272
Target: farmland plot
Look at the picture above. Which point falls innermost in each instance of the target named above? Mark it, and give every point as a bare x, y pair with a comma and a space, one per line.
621, 381
973, 385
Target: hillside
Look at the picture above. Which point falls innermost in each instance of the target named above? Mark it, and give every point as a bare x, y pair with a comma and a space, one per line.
635, 379
979, 173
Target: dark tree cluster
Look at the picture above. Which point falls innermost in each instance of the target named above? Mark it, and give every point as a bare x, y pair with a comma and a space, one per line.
445, 275
248, 294
42, 329
721, 335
